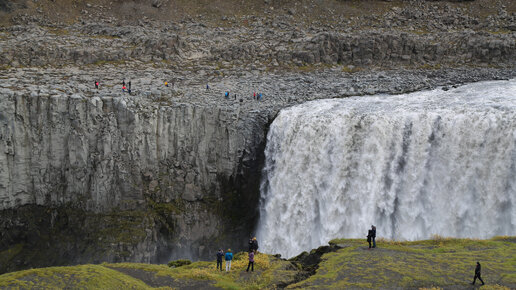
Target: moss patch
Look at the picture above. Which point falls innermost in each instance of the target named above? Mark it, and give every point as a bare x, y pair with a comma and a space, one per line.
76, 277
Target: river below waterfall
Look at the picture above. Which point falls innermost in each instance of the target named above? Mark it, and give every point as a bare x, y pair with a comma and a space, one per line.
414, 165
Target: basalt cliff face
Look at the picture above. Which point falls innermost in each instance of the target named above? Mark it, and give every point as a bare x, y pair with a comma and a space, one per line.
90, 175
101, 167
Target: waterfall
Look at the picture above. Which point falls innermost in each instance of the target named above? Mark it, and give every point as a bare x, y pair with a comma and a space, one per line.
414, 165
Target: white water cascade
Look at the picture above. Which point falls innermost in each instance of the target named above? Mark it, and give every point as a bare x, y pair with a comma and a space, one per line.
415, 165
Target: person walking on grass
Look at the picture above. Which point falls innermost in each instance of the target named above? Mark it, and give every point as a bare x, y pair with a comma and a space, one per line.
220, 254
251, 261
477, 275
228, 257
369, 236
373, 235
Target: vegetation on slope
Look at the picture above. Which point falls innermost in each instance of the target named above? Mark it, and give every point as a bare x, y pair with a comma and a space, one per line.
436, 263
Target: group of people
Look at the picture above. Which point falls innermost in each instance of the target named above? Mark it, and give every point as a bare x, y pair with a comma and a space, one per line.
125, 87
257, 97
228, 256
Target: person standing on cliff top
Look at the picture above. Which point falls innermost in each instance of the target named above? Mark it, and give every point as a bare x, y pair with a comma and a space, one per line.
228, 258
220, 254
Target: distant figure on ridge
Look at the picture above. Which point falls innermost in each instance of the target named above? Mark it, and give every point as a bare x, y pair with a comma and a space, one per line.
369, 236
251, 261
220, 254
477, 274
373, 235
228, 258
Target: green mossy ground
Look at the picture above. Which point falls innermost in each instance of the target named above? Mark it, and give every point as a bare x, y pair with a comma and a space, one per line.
437, 263
440, 262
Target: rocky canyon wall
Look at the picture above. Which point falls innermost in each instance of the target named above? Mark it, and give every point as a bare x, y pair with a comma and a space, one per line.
152, 175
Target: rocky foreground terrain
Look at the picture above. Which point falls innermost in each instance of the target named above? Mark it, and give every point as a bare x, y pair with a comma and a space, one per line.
93, 175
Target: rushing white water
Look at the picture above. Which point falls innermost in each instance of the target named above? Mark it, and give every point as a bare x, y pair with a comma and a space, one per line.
414, 165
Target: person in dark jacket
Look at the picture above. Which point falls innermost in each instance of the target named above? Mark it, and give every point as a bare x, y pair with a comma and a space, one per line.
251, 261
220, 254
251, 246
255, 245
477, 274
373, 235
369, 235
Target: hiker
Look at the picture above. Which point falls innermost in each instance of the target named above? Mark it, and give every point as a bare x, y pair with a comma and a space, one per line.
235, 96
369, 235
251, 247
255, 245
123, 88
226, 94
254, 96
129, 86
259, 96
228, 258
207, 87
373, 235
477, 274
166, 84
97, 85
251, 261
123, 83
220, 253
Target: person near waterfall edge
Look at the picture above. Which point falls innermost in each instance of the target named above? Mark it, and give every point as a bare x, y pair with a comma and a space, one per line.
373, 235
369, 235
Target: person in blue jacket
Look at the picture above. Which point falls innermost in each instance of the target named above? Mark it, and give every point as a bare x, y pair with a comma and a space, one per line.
220, 254
229, 257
